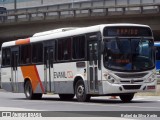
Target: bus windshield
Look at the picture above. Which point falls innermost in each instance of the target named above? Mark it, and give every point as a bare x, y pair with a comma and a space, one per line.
128, 54
157, 56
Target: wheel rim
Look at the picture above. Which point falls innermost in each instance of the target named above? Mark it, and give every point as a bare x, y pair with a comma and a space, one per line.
28, 90
80, 90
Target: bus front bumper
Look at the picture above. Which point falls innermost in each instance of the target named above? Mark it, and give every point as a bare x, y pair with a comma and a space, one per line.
109, 88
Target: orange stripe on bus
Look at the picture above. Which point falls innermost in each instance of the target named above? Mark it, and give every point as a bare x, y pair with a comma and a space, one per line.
39, 78
22, 41
32, 73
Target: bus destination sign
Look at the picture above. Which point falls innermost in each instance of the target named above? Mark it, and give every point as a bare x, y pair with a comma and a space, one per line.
126, 31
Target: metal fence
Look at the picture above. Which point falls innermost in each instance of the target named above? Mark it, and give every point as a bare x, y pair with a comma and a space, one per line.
10, 4
80, 9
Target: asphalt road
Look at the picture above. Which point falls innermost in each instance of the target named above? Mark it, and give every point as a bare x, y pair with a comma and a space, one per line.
53, 103
18, 102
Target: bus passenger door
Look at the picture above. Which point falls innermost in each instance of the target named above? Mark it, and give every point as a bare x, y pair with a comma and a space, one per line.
14, 69
48, 68
93, 66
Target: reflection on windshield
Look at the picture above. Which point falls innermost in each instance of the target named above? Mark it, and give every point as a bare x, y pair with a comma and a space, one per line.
128, 54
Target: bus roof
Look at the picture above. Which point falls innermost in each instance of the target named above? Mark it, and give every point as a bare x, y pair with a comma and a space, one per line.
72, 32
53, 31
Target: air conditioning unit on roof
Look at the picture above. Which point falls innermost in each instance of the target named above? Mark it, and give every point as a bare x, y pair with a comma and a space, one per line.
53, 31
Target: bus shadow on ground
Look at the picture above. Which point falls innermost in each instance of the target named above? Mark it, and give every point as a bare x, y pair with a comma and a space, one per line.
92, 100
102, 101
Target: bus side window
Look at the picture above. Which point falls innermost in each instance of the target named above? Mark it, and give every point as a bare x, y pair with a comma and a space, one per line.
64, 49
60, 49
25, 54
6, 57
78, 47
37, 53
3, 57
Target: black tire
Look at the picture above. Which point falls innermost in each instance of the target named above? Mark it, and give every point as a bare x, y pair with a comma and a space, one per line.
81, 92
37, 96
28, 91
66, 96
126, 98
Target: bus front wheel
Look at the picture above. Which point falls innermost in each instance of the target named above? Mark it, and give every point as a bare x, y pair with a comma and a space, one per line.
80, 92
28, 91
126, 98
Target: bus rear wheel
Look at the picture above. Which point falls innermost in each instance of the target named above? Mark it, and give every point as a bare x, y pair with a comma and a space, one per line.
126, 98
80, 92
28, 91
66, 96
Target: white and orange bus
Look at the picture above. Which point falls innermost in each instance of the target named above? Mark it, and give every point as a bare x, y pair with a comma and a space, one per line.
109, 59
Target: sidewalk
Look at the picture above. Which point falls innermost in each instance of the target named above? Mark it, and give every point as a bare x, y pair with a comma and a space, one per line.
1, 90
157, 93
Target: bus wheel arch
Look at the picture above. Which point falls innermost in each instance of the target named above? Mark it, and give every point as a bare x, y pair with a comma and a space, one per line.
75, 81
28, 90
80, 90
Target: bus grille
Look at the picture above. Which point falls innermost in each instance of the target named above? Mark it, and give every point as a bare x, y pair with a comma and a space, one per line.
128, 81
138, 75
131, 87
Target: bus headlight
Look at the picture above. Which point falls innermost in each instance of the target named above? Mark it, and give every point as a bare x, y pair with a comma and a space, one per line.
111, 79
151, 78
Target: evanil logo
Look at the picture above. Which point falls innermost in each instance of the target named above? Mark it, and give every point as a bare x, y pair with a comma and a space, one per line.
64, 74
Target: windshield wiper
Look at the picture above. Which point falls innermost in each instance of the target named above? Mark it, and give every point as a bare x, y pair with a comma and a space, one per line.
117, 42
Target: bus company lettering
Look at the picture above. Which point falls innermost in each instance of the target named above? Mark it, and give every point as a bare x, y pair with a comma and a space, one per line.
64, 74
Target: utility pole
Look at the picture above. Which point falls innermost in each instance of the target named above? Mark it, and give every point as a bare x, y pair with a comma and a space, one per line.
3, 2
72, 3
15, 9
42, 2
15, 5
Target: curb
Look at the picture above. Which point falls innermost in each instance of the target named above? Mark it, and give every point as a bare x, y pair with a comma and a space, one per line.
1, 90
157, 93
